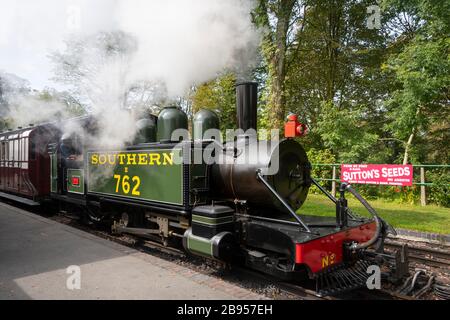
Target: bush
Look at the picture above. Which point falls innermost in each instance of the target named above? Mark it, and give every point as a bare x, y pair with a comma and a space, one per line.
439, 192
321, 172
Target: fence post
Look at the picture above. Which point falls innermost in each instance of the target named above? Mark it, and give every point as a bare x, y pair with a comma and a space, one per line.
333, 183
423, 196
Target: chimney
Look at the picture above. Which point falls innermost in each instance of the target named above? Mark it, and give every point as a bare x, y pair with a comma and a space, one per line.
246, 105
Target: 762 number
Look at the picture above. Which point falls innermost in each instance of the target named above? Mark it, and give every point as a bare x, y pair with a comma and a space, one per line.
123, 184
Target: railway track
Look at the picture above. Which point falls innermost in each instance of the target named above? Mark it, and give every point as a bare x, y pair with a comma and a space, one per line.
431, 266
427, 256
173, 254
309, 294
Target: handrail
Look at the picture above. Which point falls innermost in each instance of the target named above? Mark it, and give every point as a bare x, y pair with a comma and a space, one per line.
377, 219
283, 202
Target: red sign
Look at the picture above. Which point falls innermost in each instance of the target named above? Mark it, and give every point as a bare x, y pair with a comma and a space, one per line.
383, 174
75, 181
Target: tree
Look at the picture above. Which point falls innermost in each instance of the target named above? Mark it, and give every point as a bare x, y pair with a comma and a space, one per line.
218, 95
346, 133
334, 77
280, 21
71, 106
422, 70
11, 86
96, 67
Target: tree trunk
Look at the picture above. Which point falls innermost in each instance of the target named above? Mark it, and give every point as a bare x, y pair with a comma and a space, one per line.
408, 147
408, 143
277, 64
277, 100
335, 9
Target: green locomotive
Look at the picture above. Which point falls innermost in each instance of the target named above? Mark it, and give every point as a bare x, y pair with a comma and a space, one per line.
235, 201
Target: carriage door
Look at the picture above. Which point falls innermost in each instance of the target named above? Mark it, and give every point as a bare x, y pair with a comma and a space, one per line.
53, 168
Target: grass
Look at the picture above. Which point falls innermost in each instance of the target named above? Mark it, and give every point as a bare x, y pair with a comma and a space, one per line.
430, 218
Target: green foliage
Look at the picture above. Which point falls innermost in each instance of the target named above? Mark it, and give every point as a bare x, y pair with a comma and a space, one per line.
277, 19
439, 193
422, 75
345, 132
4, 124
70, 106
321, 156
316, 156
218, 95
423, 69
334, 81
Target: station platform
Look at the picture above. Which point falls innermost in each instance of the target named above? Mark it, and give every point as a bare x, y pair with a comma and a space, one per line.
35, 253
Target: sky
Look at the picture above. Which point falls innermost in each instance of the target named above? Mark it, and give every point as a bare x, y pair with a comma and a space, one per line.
31, 29
180, 42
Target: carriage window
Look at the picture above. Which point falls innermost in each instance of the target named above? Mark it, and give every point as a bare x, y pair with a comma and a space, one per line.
5, 151
15, 154
11, 150
32, 150
25, 149
25, 153
2, 154
22, 149
19, 149
16, 150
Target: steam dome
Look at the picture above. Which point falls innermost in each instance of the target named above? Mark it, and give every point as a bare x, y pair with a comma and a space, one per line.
169, 120
203, 121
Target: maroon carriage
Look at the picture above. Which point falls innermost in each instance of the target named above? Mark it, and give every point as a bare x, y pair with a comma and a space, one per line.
25, 164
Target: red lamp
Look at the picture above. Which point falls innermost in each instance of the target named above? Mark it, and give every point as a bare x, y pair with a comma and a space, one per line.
293, 128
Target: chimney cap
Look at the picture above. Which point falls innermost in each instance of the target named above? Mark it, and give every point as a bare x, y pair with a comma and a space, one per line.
240, 83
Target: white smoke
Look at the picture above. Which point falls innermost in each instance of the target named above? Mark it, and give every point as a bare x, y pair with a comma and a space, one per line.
29, 30
179, 44
28, 109
188, 42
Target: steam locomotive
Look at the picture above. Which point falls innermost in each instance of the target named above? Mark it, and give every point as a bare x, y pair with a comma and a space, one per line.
242, 209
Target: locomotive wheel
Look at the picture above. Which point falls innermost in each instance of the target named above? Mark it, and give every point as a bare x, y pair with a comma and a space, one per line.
125, 220
130, 220
94, 216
